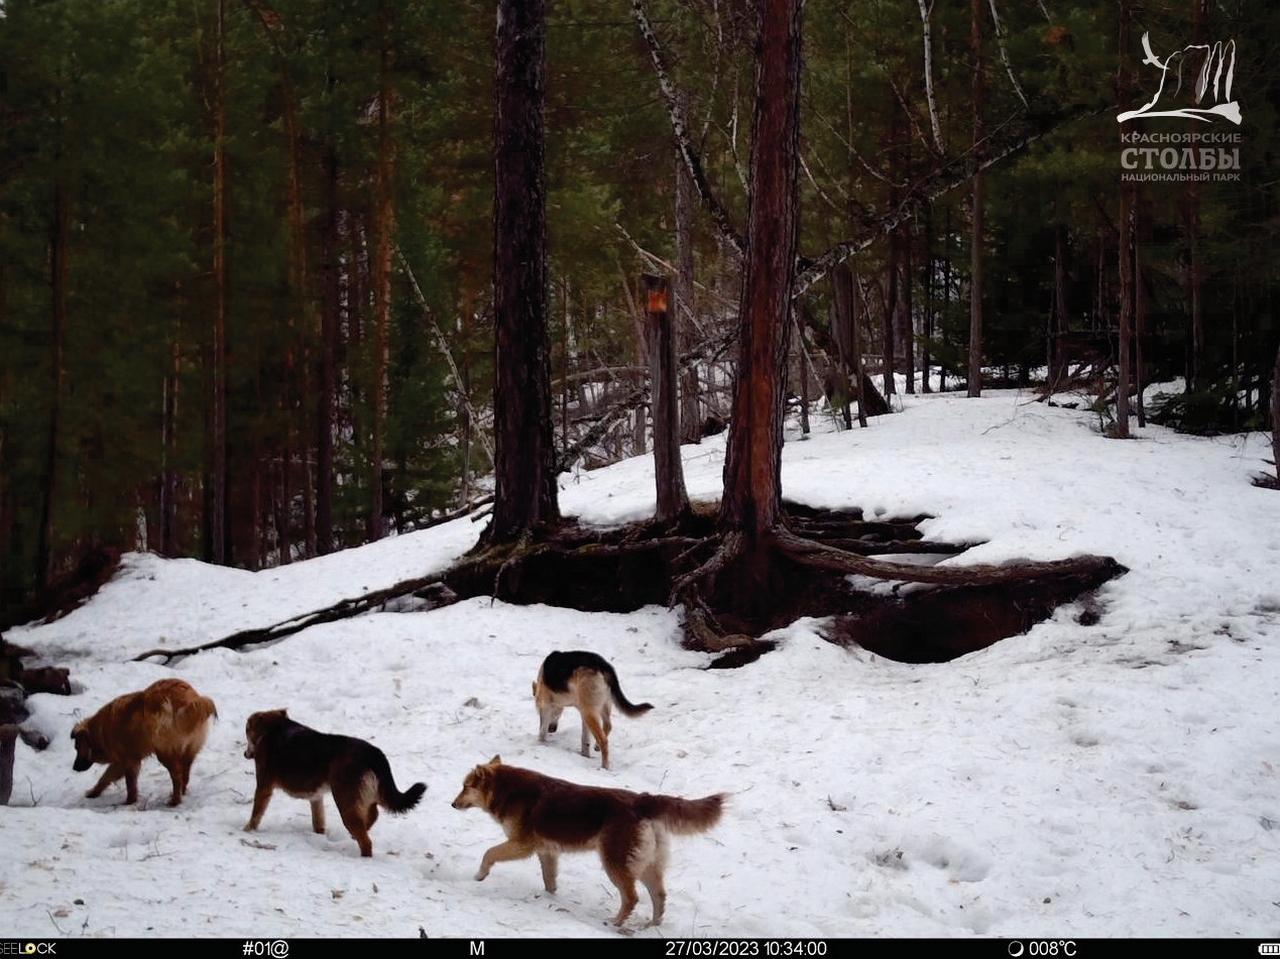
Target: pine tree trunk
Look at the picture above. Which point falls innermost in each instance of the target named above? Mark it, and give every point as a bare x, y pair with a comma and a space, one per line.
330, 292
385, 229
752, 502
1128, 210
889, 316
1192, 227
218, 502
844, 326
1058, 313
1275, 415
907, 328
525, 483
58, 249
975, 260
169, 443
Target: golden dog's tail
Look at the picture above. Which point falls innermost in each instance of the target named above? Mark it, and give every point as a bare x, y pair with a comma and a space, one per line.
191, 716
684, 817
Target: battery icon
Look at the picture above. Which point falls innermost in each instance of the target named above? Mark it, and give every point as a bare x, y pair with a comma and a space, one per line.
1269, 948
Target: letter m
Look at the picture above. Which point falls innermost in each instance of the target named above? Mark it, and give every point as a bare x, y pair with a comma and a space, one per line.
477, 948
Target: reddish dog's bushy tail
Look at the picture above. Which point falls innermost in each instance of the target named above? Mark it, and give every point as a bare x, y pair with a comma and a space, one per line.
683, 817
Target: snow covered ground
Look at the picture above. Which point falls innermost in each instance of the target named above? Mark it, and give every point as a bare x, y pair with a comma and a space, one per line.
1119, 779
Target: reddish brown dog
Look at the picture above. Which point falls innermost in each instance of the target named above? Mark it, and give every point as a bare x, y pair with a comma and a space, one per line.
549, 816
168, 718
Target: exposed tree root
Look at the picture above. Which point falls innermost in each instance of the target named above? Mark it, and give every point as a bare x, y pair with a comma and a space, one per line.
732, 591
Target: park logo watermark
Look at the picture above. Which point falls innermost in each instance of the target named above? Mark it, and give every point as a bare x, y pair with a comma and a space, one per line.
1206, 99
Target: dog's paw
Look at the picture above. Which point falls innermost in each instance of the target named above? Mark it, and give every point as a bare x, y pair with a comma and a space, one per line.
250, 826
481, 875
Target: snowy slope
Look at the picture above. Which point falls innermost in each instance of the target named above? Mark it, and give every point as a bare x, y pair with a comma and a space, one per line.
1112, 780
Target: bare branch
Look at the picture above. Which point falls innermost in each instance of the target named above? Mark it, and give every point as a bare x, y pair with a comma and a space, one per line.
936, 184
719, 215
444, 349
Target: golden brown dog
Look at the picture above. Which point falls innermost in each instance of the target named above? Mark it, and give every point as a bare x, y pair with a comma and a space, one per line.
307, 764
549, 816
587, 682
168, 718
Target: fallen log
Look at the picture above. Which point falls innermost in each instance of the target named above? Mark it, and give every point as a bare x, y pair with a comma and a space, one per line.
343, 609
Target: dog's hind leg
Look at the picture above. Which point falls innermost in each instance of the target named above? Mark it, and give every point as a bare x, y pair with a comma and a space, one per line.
652, 879
592, 722
626, 884
317, 814
549, 865
354, 802
356, 825
177, 775
187, 759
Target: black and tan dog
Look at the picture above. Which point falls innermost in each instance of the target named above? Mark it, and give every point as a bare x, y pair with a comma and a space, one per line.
168, 718
587, 682
546, 817
306, 764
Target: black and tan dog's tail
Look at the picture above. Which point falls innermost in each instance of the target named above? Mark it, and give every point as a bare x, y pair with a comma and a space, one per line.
389, 797
684, 817
629, 708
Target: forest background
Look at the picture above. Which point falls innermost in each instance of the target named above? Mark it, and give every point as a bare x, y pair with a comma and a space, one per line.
246, 249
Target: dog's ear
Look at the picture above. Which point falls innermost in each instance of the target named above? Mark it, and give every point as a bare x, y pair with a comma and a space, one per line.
495, 761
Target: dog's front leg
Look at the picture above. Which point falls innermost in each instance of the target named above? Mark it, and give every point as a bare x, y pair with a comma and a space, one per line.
549, 865
112, 773
261, 797
548, 721
503, 852
317, 814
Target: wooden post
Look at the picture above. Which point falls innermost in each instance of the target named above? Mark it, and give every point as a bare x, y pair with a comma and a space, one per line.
663, 400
